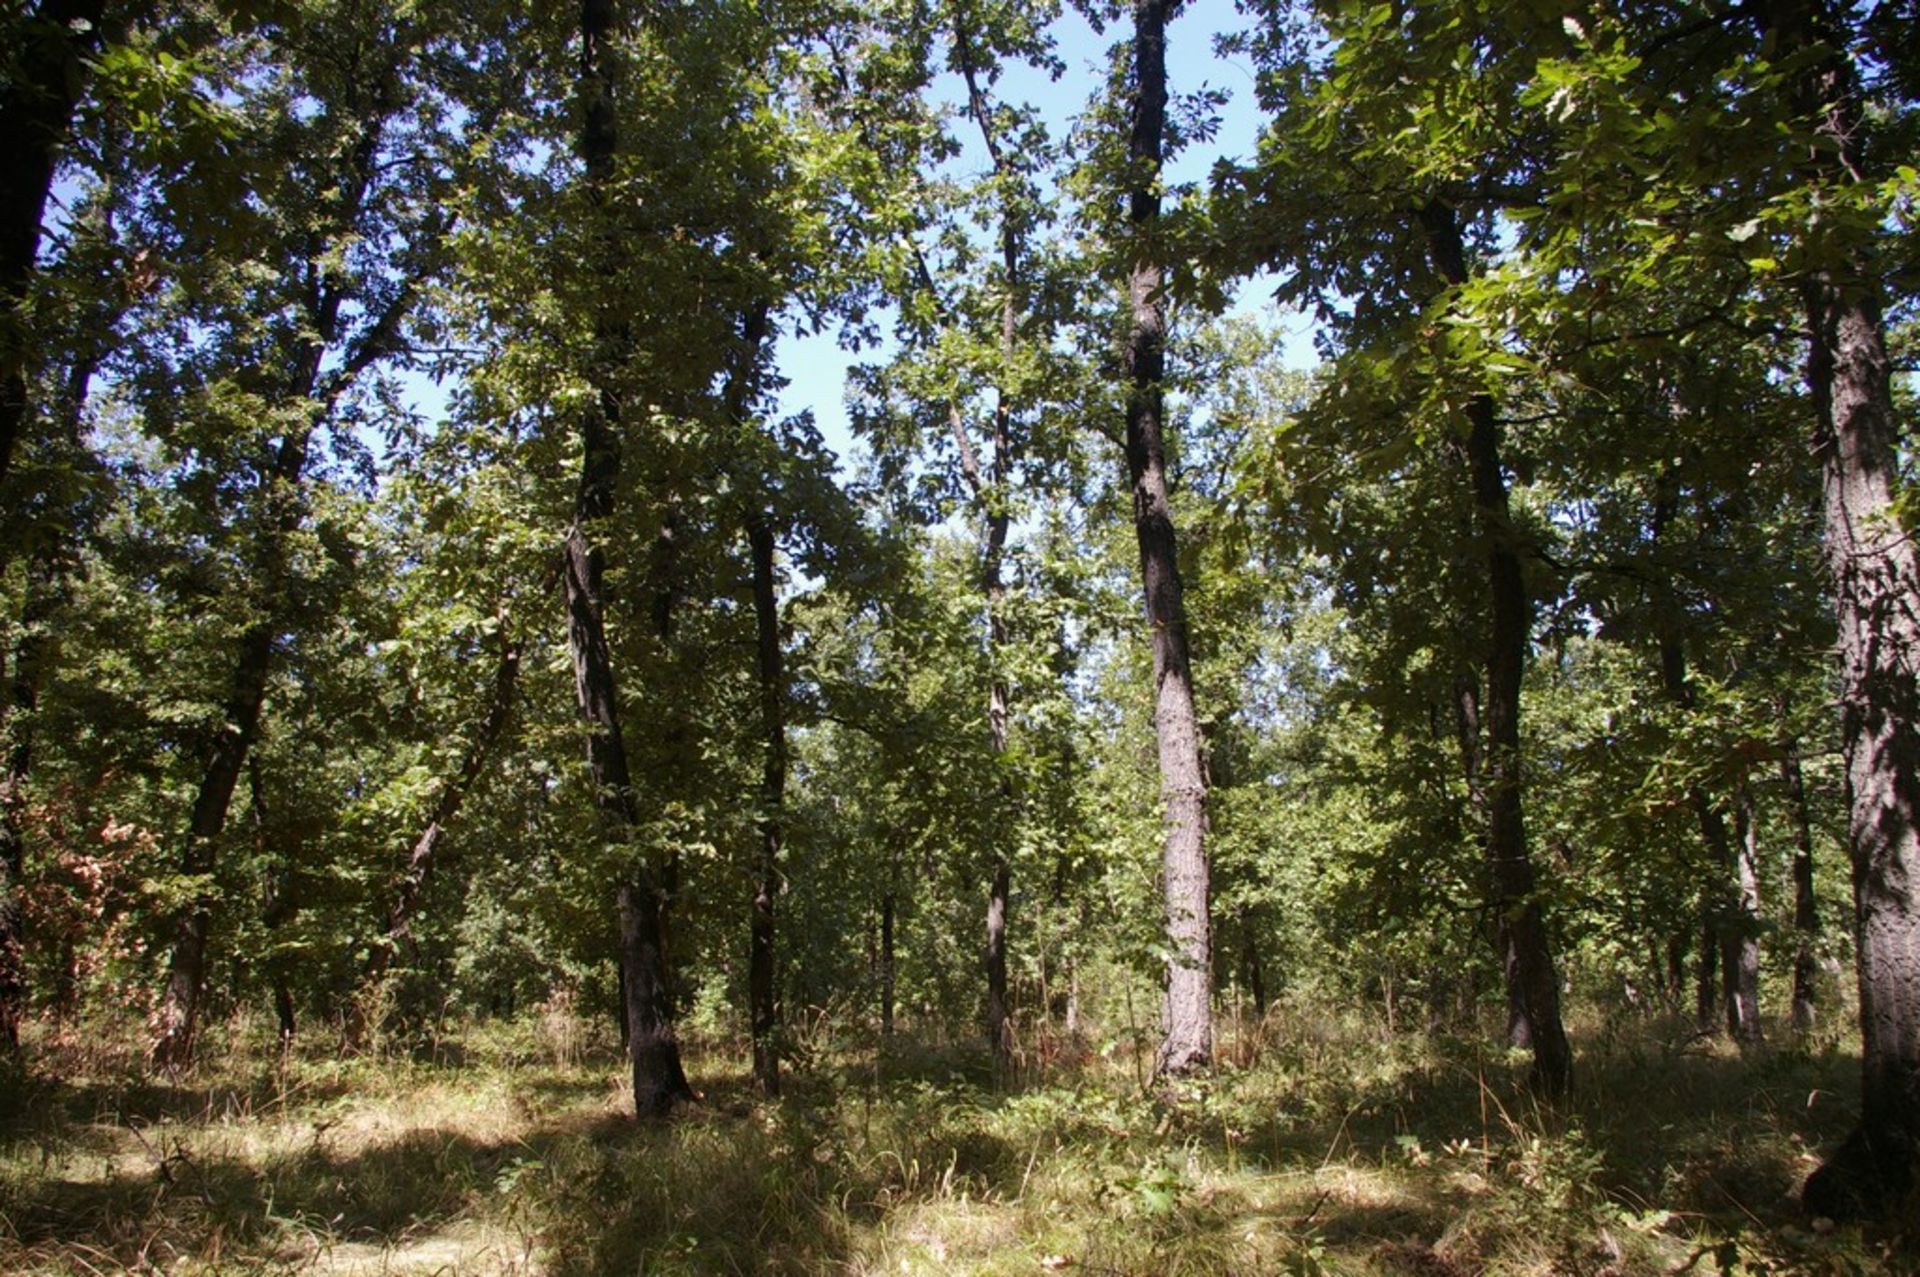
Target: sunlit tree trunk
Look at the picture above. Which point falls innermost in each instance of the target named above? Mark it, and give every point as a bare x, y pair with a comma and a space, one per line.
1188, 1014
1876, 580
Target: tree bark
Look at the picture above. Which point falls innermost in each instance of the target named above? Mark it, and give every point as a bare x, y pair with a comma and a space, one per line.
1876, 586
1740, 939
37, 102
1806, 913
763, 993
1188, 1013
1533, 984
659, 1082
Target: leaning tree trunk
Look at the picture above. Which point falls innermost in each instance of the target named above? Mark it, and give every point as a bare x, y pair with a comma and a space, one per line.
1188, 1015
1876, 584
659, 1082
1533, 985
425, 854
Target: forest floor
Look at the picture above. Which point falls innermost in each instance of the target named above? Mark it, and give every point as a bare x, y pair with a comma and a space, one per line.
1318, 1147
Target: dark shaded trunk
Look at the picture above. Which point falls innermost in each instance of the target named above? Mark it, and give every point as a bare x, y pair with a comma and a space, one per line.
425, 853
172, 1046
46, 73
1806, 913
1188, 1013
1256, 975
1533, 984
762, 991
1706, 979
886, 963
659, 1082
1876, 581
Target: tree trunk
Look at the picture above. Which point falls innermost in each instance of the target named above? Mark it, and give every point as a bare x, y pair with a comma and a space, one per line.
658, 1079
1188, 1014
46, 73
886, 963
1740, 939
762, 990
1533, 985
1876, 582
426, 848
24, 695
1806, 914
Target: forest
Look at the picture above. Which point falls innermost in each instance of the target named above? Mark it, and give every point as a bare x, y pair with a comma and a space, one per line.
835, 636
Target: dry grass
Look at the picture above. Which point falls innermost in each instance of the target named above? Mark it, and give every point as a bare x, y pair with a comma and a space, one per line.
1337, 1149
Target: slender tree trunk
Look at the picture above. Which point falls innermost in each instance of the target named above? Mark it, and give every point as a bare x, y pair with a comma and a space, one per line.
1706, 982
659, 1082
1533, 984
45, 76
1876, 581
1806, 914
1188, 1015
886, 963
425, 854
991, 493
762, 991
24, 697
1740, 940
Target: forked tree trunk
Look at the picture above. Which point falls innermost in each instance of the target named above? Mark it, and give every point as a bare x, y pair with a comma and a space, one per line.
1533, 984
1188, 1014
1876, 581
659, 1082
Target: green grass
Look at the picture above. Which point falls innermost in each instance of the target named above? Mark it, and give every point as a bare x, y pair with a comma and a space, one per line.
1326, 1145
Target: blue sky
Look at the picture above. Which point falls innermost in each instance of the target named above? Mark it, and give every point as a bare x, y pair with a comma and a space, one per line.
816, 368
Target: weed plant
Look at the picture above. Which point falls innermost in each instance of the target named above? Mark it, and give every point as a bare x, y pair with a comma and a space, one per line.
1323, 1144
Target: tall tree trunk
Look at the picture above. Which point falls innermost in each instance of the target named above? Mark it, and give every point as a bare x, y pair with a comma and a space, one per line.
762, 991
425, 853
886, 962
659, 1082
991, 493
1188, 1014
1876, 582
1806, 913
1533, 984
763, 995
46, 73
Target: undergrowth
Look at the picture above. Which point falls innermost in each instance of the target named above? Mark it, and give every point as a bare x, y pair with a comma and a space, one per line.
1321, 1145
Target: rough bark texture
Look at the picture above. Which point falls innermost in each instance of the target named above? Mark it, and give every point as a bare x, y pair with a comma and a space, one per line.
1533, 985
36, 108
1188, 1014
1876, 585
1806, 914
659, 1082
